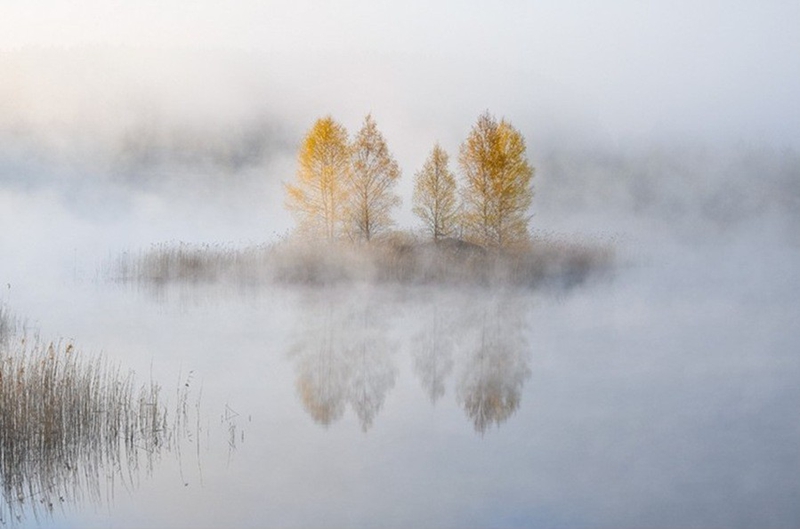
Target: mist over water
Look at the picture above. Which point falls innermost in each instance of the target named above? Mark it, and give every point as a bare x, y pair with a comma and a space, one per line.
663, 393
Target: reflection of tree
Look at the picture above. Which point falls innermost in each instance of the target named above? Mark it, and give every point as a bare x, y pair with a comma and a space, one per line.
495, 369
322, 378
342, 360
372, 375
433, 358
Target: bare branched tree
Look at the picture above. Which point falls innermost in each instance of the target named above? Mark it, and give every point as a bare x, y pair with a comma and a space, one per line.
374, 174
435, 201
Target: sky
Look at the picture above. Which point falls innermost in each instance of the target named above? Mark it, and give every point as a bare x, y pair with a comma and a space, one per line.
617, 72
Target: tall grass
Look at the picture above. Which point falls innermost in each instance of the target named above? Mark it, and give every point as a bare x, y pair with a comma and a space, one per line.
191, 263
400, 260
72, 428
8, 325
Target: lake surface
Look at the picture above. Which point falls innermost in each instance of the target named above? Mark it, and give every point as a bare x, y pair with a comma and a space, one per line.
665, 395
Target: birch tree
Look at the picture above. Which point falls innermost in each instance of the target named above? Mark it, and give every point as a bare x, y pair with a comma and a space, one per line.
371, 195
318, 198
435, 201
497, 177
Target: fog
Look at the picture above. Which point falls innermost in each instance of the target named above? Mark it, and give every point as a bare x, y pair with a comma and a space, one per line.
108, 130
660, 392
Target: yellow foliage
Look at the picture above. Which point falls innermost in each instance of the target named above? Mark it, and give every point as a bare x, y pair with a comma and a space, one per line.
435, 195
318, 198
498, 189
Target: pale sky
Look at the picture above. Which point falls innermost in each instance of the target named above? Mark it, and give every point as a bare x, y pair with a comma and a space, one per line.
627, 69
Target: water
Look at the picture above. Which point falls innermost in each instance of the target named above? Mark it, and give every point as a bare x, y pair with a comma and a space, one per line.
73, 428
664, 395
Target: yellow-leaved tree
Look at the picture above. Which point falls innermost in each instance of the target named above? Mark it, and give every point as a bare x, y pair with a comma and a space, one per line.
498, 192
435, 201
370, 188
318, 199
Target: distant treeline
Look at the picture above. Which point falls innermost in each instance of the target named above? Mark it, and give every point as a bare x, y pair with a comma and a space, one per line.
694, 187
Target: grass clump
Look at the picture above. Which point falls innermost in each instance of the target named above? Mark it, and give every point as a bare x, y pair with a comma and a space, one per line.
394, 259
72, 427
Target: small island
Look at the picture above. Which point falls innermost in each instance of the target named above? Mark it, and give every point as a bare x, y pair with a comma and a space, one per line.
474, 226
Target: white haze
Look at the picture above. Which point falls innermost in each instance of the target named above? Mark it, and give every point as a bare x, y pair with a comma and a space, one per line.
664, 396
708, 70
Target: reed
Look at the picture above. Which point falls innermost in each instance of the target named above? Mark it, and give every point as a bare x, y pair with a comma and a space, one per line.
8, 325
548, 260
73, 428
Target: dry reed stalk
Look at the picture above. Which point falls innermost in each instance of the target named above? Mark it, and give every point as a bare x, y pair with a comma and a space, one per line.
72, 428
546, 260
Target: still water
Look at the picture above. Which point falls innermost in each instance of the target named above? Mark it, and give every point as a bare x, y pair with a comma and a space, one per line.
665, 395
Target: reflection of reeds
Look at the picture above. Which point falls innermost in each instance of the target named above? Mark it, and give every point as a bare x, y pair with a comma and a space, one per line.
400, 260
71, 428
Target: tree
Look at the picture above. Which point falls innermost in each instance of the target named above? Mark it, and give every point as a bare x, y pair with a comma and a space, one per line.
318, 199
498, 189
370, 187
435, 195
